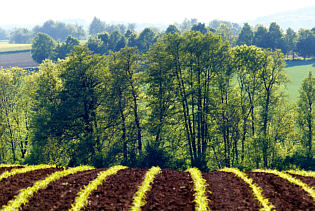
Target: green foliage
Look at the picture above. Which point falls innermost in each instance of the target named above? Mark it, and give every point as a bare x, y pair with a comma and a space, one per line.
3, 34
96, 27
60, 31
21, 36
63, 49
306, 113
246, 35
171, 29
176, 101
306, 43
42, 47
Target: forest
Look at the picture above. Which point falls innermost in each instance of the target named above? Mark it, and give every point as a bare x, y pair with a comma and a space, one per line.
177, 99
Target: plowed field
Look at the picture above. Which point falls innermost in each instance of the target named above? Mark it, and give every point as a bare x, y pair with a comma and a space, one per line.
170, 190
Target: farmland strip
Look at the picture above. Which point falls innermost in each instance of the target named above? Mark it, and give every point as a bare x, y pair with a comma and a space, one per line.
257, 191
200, 189
83, 196
25, 194
229, 192
61, 193
291, 179
13, 172
281, 193
9, 187
302, 173
139, 197
117, 192
171, 189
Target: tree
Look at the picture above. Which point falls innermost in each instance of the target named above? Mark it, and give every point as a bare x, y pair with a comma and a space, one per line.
249, 62
96, 45
291, 40
63, 49
60, 31
14, 113
226, 33
96, 26
145, 40
306, 43
116, 41
68, 121
3, 34
199, 27
21, 36
261, 37
272, 76
276, 38
42, 47
246, 36
45, 148
306, 113
171, 29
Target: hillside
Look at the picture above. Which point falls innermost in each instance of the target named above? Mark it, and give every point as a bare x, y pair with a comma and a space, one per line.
296, 19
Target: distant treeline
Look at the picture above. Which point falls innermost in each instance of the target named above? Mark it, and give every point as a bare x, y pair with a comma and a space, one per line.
173, 99
291, 43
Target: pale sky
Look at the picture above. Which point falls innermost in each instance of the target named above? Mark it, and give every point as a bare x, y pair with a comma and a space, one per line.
142, 11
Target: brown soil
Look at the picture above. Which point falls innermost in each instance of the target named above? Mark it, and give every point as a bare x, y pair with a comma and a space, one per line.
229, 192
10, 186
281, 193
171, 190
3, 169
61, 193
117, 191
20, 59
310, 181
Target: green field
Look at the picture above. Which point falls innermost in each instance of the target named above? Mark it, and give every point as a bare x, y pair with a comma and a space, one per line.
297, 71
7, 47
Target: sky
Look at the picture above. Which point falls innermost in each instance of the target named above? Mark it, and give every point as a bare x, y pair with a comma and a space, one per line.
142, 11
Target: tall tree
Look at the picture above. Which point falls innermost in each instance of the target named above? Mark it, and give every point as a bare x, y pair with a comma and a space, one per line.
96, 26
272, 76
306, 113
276, 37
145, 40
246, 36
306, 43
291, 40
261, 37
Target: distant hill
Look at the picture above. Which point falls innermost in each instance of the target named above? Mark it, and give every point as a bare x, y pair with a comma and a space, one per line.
296, 19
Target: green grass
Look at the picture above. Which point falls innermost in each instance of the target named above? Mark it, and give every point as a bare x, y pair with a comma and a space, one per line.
6, 47
297, 71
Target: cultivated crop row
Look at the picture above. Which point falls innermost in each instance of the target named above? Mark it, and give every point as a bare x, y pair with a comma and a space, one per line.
257, 191
200, 188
